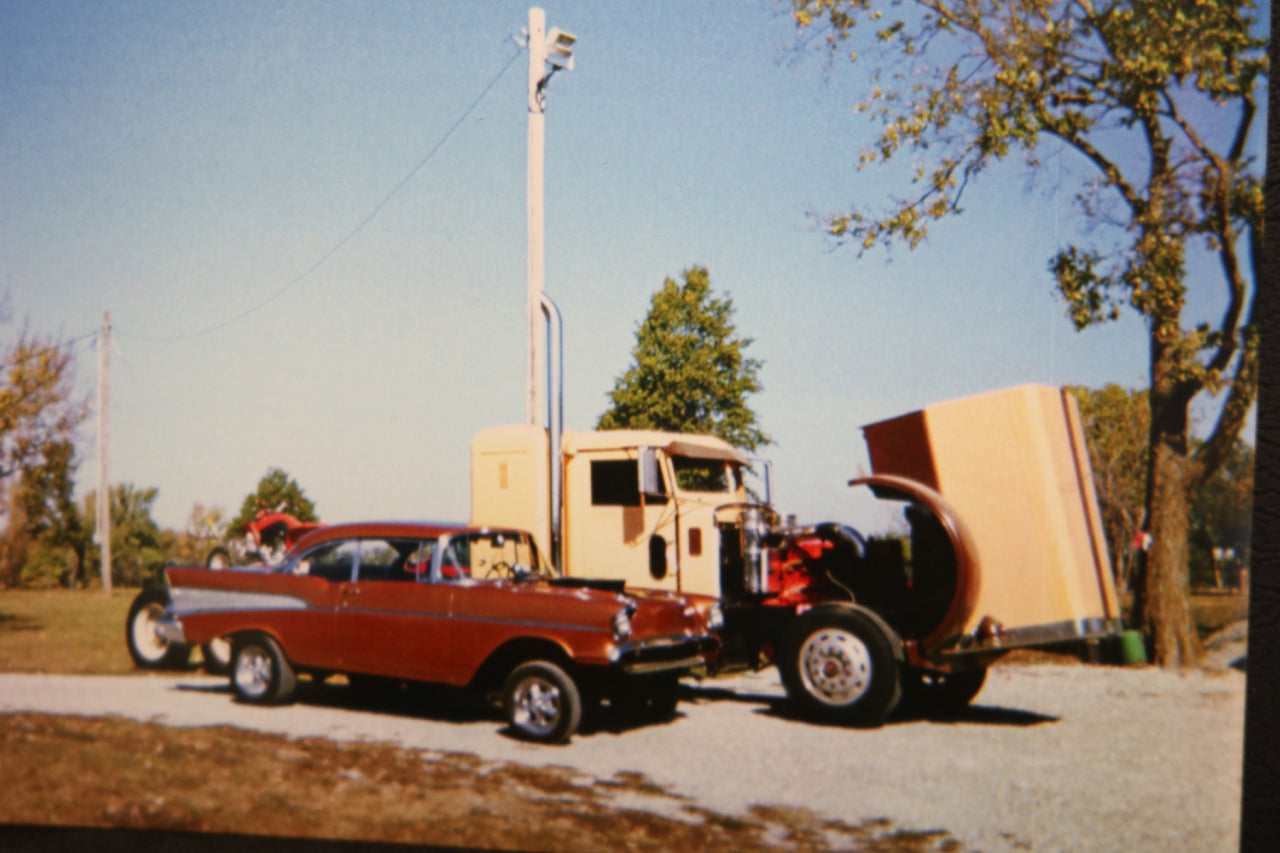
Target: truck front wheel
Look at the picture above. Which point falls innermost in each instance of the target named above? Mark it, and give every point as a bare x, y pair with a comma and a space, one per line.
840, 665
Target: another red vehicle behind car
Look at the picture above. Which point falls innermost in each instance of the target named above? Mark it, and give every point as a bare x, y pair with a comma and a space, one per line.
461, 606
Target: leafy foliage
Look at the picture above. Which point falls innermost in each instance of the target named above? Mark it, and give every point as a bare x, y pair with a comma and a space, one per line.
1222, 520
1158, 98
39, 413
206, 527
689, 372
1117, 423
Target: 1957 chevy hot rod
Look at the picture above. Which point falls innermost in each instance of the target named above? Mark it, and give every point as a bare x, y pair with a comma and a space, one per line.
470, 607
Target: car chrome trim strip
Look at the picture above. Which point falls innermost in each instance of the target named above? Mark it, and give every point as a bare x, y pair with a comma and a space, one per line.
169, 628
188, 600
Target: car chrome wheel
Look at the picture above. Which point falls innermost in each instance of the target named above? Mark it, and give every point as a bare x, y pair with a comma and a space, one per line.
542, 703
835, 667
253, 672
537, 706
146, 637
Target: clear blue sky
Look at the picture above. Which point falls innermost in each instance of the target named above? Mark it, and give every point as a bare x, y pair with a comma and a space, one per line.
177, 163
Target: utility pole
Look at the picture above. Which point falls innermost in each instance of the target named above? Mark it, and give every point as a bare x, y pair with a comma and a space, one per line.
102, 531
548, 53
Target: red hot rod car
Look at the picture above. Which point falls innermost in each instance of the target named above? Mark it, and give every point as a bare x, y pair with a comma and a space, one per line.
446, 604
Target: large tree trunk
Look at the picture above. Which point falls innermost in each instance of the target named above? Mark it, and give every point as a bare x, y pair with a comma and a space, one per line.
1162, 593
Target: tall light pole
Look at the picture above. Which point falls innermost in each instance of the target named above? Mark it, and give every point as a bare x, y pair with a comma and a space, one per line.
102, 510
548, 53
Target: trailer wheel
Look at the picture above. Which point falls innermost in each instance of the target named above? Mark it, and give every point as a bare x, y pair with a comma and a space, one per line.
937, 694
147, 648
840, 665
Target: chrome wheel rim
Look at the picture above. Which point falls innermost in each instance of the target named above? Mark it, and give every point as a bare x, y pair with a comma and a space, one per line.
536, 706
146, 639
253, 672
835, 667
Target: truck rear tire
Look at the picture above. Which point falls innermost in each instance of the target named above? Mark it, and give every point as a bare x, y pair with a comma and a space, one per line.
840, 665
933, 694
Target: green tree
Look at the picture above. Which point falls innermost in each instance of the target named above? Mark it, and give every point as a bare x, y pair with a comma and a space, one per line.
138, 548
276, 492
206, 527
1158, 99
39, 411
1117, 424
689, 372
1222, 520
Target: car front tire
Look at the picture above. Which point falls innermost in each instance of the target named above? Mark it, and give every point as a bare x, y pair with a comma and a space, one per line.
147, 648
542, 703
260, 672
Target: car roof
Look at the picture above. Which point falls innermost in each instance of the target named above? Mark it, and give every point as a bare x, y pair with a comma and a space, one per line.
382, 530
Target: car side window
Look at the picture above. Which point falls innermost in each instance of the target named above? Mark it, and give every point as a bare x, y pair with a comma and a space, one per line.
394, 560
333, 561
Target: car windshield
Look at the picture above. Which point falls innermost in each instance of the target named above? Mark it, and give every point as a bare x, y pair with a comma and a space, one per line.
491, 555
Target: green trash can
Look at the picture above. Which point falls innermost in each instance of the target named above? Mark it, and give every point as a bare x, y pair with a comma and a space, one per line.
1133, 650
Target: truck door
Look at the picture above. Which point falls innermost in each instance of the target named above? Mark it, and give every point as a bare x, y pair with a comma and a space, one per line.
614, 527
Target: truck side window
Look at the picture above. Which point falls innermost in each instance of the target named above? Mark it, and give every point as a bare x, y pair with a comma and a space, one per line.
615, 482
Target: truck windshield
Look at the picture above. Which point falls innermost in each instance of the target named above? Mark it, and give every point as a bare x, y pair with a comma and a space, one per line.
702, 475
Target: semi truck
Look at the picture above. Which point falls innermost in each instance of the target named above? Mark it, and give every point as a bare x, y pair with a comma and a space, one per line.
998, 546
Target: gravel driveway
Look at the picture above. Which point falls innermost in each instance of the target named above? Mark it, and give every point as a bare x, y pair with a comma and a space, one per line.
1050, 758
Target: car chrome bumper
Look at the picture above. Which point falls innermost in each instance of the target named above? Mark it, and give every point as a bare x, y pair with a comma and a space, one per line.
665, 654
168, 627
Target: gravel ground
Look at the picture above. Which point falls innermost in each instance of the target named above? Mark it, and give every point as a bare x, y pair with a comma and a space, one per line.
1050, 758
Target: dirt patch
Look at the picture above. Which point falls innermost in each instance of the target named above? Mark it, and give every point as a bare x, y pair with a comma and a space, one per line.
91, 772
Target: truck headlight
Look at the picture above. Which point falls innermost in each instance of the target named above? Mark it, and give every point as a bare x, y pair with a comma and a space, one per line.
715, 617
621, 625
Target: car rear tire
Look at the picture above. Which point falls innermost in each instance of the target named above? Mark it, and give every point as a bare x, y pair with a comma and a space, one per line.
217, 656
542, 703
840, 665
147, 648
260, 672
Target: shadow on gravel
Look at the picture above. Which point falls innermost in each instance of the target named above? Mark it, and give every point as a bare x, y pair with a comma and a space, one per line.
984, 715
441, 704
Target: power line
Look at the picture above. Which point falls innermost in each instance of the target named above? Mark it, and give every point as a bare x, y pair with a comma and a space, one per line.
350, 235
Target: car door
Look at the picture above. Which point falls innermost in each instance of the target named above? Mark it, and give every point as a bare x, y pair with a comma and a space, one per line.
391, 619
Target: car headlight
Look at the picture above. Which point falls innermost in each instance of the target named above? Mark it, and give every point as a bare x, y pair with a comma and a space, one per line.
715, 617
621, 625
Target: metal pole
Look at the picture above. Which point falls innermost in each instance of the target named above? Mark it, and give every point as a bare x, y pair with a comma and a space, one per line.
103, 509
537, 405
